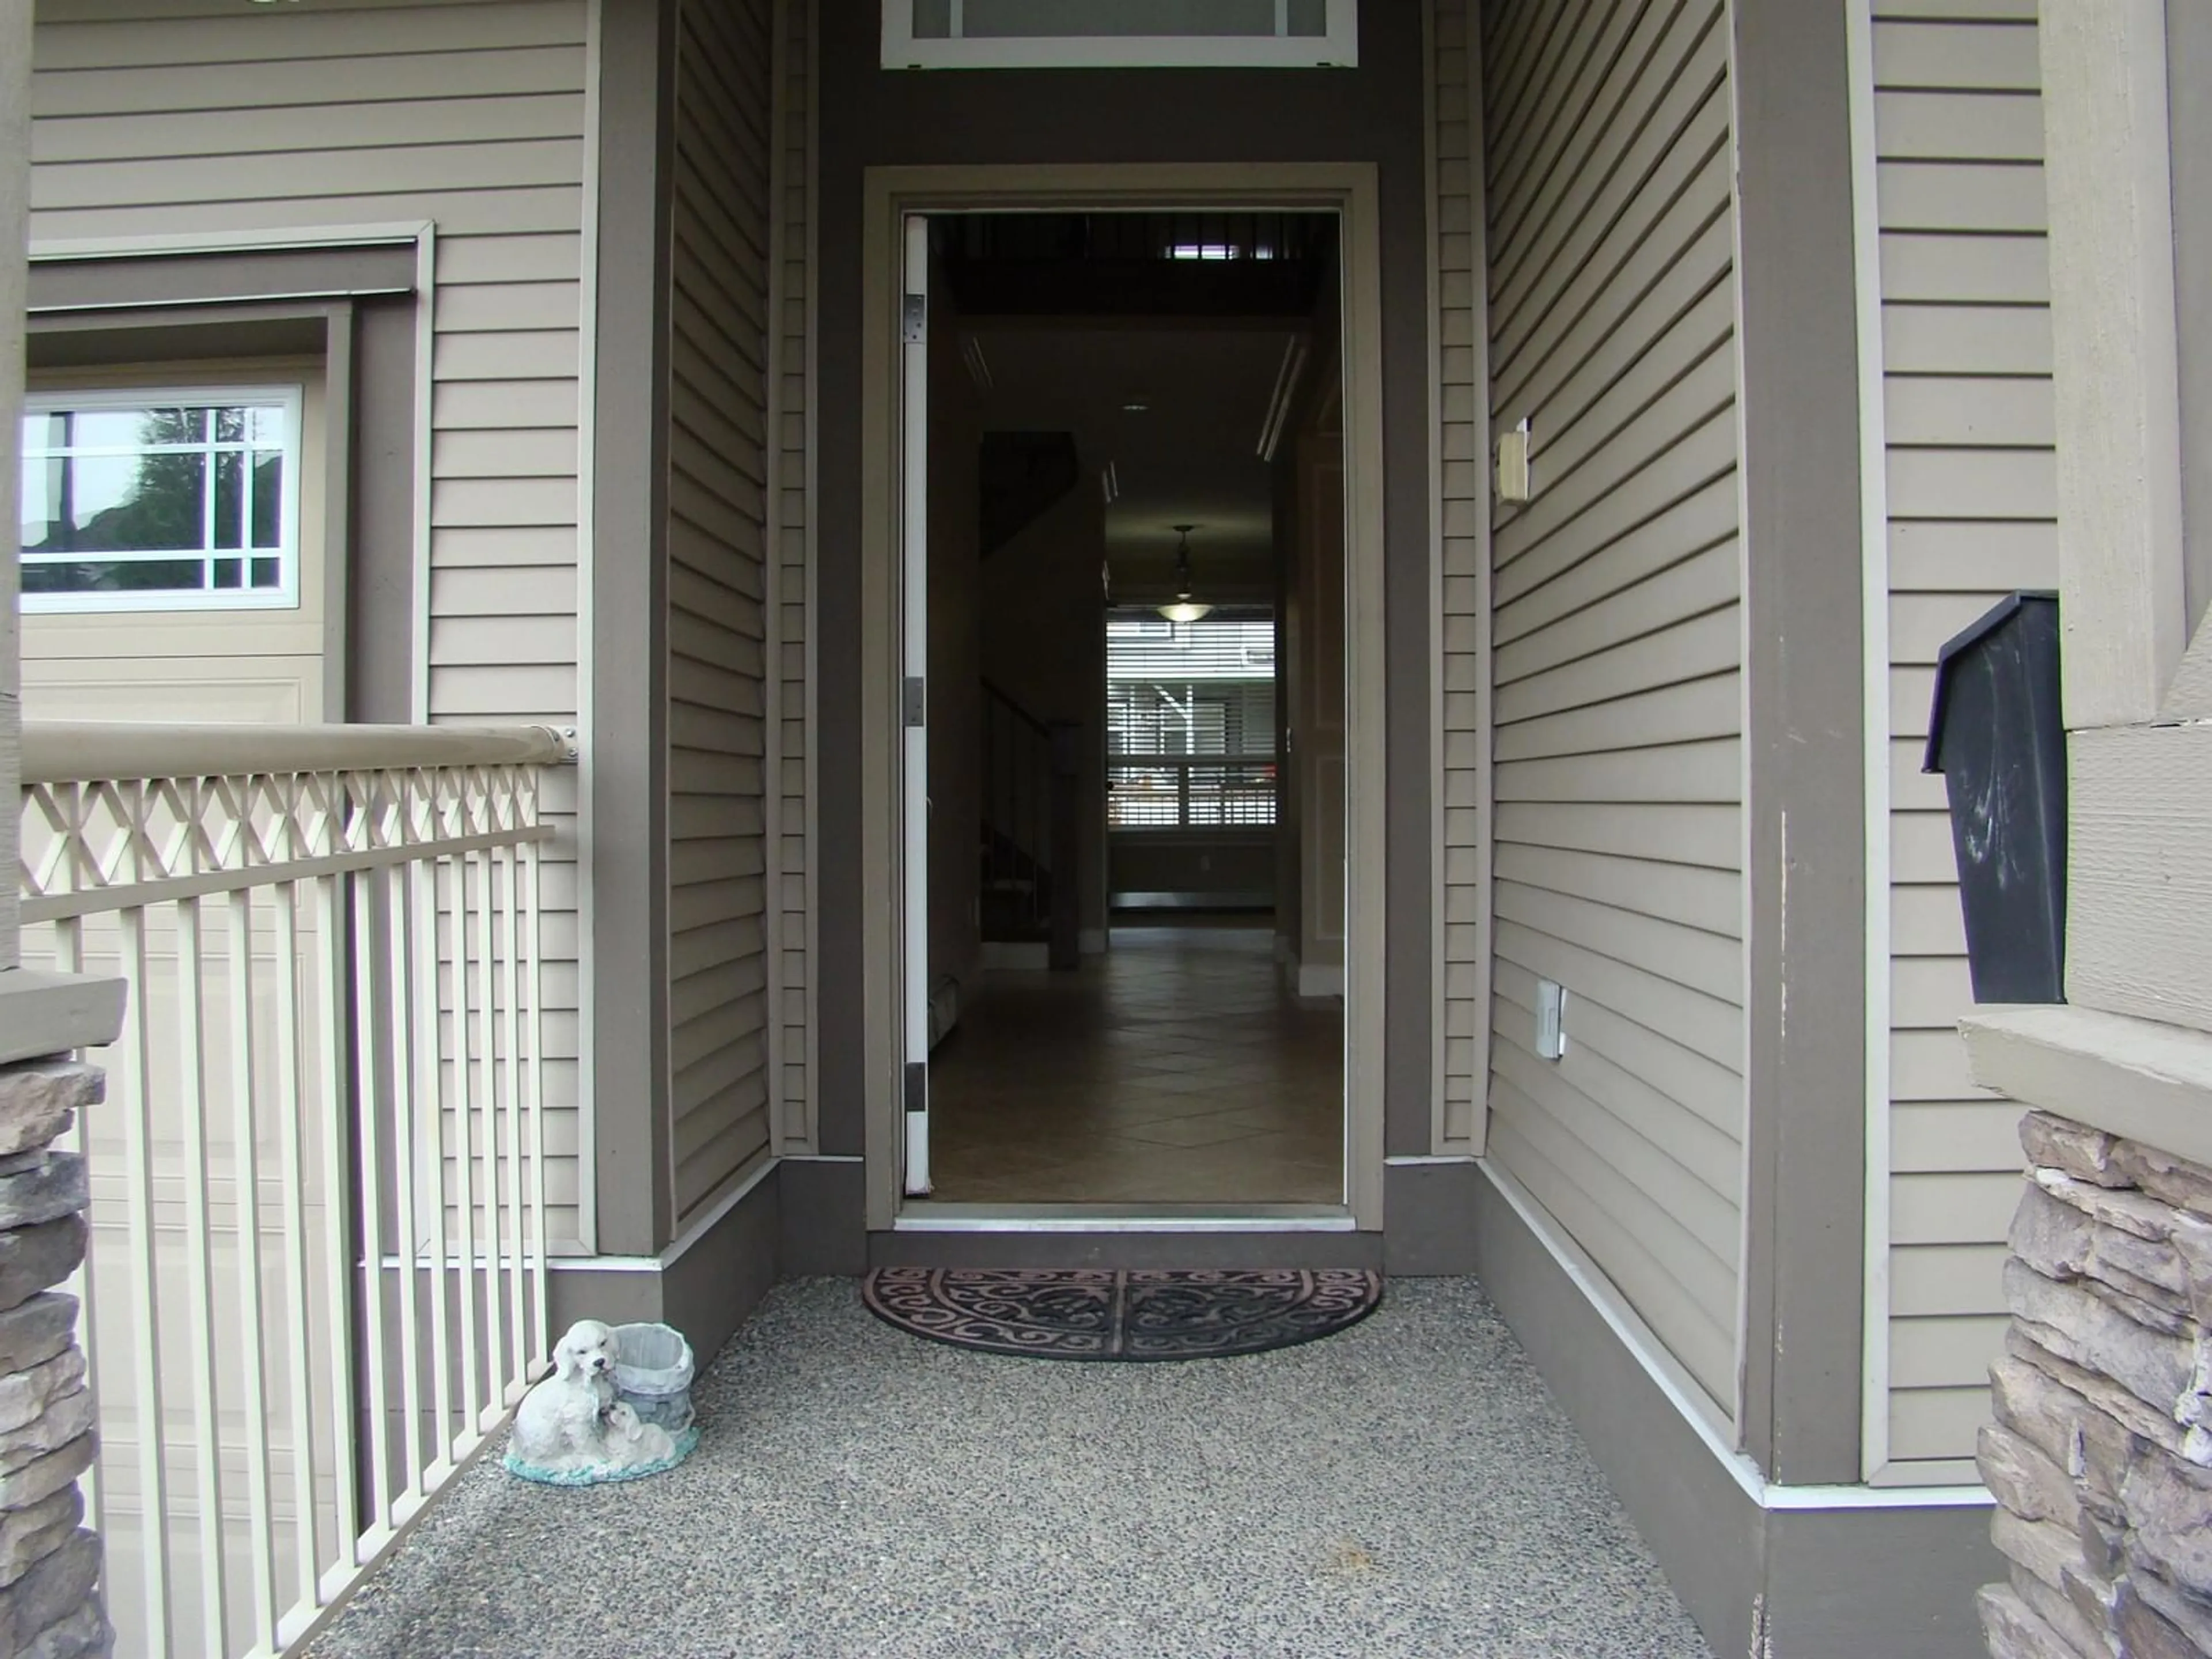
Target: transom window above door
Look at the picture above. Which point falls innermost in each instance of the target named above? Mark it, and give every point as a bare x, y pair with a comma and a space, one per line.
1120, 33
160, 500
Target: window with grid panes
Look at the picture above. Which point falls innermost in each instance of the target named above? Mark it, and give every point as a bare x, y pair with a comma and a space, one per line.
159, 501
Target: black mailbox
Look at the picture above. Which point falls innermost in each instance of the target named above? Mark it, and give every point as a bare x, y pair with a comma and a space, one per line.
1998, 735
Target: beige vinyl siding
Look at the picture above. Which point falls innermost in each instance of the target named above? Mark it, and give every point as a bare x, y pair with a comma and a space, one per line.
718, 534
155, 117
793, 899
1968, 417
1617, 649
1463, 593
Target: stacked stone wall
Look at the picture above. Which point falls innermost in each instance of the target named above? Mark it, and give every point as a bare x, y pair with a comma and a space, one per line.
50, 1565
2100, 1458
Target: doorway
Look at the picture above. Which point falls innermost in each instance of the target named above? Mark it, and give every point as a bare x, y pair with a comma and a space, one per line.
1132, 962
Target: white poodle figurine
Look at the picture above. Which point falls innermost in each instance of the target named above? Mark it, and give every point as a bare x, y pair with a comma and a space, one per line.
571, 1422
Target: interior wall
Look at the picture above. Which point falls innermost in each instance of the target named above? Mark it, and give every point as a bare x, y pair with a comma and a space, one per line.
1317, 726
1044, 645
1290, 830
1617, 650
1373, 113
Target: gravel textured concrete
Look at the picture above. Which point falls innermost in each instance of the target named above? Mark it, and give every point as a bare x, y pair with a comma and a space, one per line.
1406, 1487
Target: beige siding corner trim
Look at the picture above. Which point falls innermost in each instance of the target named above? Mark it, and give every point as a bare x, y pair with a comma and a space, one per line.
1874, 624
1351, 190
1459, 599
2114, 357
426, 347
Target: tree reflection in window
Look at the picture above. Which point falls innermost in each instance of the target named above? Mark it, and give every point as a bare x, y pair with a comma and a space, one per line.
132, 498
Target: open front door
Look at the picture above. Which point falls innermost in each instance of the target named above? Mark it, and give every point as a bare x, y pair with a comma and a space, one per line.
914, 653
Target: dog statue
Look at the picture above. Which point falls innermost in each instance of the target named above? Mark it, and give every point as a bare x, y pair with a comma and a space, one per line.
572, 1424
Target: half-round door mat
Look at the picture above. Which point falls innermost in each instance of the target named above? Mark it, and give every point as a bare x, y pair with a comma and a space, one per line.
1096, 1313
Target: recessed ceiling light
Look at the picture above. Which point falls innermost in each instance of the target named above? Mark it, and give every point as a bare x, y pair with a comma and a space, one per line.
1135, 406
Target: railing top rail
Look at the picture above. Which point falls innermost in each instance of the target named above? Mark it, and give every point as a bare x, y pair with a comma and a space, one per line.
1164, 760
76, 751
1015, 706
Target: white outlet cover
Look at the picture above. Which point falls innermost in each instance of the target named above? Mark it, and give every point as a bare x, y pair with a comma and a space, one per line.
1551, 1020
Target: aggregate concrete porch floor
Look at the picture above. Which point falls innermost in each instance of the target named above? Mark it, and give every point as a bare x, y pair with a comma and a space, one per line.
1406, 1487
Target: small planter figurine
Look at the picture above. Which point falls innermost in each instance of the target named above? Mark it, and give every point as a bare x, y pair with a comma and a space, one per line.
572, 1430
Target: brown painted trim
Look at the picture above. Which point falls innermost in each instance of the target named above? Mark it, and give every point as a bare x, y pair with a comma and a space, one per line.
367, 348
103, 283
160, 334
1797, 346
380, 597
341, 465
629, 597
825, 1228
1428, 1205
874, 118
707, 1293
15, 216
2189, 116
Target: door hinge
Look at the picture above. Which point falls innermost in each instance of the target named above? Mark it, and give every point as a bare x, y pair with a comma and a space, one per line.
913, 703
917, 1085
913, 319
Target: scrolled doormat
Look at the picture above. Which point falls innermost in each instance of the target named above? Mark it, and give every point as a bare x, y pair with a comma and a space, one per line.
1093, 1313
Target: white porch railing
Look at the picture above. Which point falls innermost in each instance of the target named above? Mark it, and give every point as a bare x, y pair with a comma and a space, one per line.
1190, 792
318, 1278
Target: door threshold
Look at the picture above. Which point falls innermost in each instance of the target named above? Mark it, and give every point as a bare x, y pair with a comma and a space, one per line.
930, 1216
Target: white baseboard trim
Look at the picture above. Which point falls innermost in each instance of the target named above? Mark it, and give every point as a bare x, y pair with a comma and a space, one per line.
1319, 980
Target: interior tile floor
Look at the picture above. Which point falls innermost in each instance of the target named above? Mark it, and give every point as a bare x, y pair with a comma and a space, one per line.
1174, 1068
1406, 1490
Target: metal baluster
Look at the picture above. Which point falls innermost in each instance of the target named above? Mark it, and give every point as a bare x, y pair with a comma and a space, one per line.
246, 1159
200, 1270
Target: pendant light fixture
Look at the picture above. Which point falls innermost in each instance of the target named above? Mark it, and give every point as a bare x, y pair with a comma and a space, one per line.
1185, 608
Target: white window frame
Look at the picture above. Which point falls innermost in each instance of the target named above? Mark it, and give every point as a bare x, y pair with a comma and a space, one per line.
283, 597
1338, 48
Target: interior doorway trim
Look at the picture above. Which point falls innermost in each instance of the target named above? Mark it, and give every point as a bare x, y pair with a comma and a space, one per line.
1347, 189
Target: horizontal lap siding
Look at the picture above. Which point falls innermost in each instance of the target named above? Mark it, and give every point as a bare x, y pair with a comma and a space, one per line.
1968, 416
792, 903
718, 632
1617, 648
1460, 504
170, 117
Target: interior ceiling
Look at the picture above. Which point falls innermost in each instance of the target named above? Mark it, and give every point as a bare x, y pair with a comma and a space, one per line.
1190, 457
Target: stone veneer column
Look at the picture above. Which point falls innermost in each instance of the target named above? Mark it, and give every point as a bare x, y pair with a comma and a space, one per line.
2101, 1455
49, 1567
